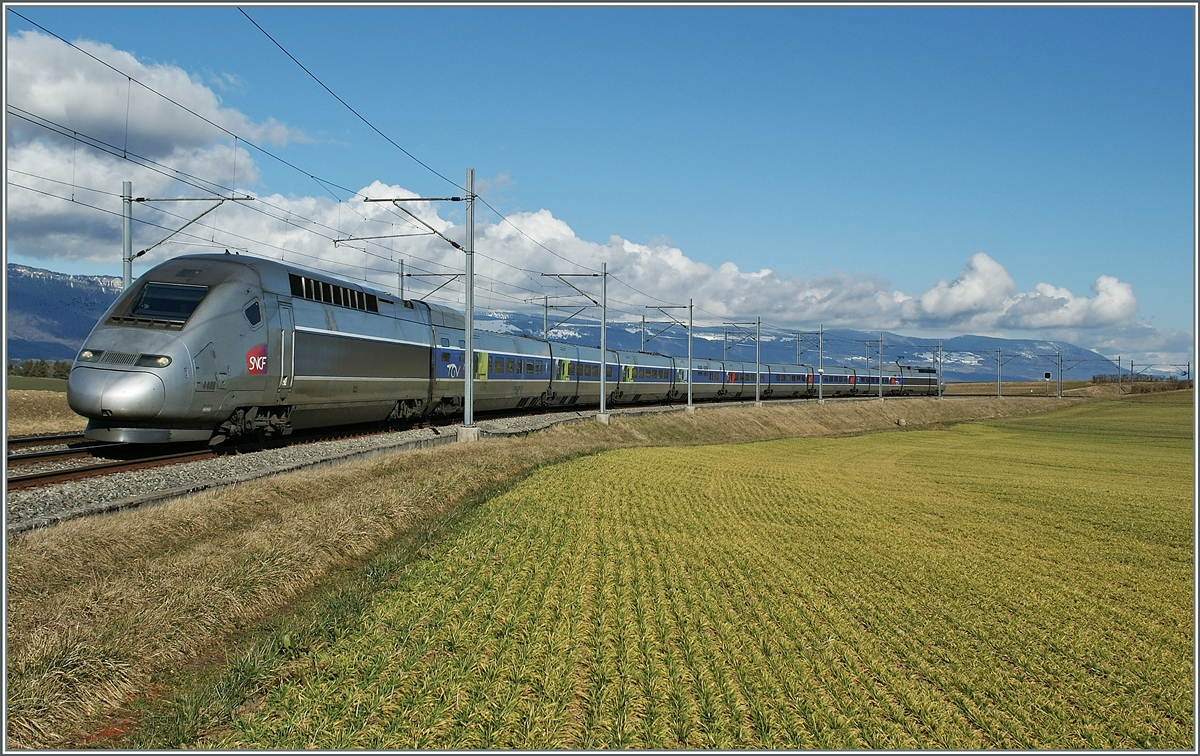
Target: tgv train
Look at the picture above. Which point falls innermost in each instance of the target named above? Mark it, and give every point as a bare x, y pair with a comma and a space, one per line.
211, 347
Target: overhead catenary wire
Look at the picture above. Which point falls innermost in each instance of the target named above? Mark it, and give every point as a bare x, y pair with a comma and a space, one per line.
183, 177
311, 224
183, 107
784, 336
343, 102
392, 142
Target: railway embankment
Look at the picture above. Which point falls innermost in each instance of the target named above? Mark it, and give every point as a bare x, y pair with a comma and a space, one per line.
104, 613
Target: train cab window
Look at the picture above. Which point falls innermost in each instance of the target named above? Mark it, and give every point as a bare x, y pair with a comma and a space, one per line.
445, 342
164, 301
253, 314
462, 344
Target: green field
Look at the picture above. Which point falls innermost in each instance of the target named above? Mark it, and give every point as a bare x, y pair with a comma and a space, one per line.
23, 383
1018, 584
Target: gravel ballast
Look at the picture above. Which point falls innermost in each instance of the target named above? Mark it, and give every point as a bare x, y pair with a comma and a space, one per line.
39, 507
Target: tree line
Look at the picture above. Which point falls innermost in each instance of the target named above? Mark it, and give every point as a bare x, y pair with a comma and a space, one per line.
41, 369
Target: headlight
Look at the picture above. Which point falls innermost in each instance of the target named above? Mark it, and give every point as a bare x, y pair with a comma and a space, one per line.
88, 355
153, 360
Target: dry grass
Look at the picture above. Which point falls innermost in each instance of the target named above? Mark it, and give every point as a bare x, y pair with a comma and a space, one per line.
35, 413
1030, 388
97, 608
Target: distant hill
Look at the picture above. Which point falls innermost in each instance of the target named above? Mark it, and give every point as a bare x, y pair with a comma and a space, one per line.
48, 316
966, 358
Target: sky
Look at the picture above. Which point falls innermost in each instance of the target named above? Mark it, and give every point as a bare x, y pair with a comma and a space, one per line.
1024, 172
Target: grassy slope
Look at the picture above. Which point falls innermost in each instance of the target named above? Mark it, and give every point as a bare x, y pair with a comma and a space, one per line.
1022, 584
196, 607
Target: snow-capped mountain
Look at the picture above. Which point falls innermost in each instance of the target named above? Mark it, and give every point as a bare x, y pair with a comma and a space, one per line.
50, 314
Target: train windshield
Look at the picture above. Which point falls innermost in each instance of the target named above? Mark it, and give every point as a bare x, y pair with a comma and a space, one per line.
165, 301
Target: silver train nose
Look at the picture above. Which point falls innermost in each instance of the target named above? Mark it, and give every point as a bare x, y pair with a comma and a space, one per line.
97, 393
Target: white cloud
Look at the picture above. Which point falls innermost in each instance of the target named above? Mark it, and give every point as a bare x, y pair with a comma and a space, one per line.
47, 77
1051, 307
983, 287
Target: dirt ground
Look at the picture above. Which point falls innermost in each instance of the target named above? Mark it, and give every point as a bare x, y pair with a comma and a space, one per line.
33, 413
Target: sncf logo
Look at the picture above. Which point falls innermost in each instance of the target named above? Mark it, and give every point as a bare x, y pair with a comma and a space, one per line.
256, 360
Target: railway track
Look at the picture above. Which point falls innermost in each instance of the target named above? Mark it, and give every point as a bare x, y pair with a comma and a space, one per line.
50, 477
131, 457
59, 455
48, 497
24, 442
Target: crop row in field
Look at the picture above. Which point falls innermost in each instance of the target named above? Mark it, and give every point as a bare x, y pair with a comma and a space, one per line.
1023, 584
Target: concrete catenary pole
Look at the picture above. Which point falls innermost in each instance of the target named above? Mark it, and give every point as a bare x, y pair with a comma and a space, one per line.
127, 233
689, 375
469, 357
998, 390
603, 339
881, 366
1060, 375
937, 365
757, 360
821, 364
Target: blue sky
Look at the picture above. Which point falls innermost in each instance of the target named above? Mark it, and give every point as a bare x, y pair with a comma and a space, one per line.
874, 149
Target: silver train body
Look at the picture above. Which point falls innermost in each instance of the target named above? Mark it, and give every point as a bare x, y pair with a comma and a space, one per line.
210, 347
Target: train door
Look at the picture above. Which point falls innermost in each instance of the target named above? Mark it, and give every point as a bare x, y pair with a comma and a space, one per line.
204, 365
287, 357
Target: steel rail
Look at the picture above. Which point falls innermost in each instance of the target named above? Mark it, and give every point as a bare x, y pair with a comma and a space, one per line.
21, 442
33, 480
29, 458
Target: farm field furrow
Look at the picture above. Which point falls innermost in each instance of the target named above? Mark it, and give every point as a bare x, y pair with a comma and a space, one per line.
1019, 584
